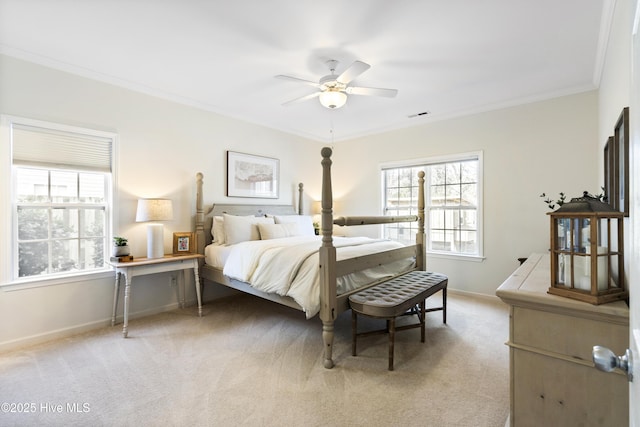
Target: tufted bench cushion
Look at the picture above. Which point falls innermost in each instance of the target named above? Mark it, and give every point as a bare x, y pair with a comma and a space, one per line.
393, 298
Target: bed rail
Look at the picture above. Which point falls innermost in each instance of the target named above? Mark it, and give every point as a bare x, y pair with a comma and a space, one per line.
368, 220
364, 262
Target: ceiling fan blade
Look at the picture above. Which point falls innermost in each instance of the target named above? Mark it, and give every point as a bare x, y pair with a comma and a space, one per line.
371, 91
357, 68
295, 79
302, 98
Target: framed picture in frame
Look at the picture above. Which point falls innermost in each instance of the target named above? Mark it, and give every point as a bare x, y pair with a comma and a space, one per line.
621, 138
183, 243
610, 173
252, 176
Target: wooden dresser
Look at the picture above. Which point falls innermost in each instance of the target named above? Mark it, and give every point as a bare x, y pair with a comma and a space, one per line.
553, 379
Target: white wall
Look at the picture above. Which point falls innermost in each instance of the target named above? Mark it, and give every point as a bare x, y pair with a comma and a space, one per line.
162, 145
615, 83
548, 146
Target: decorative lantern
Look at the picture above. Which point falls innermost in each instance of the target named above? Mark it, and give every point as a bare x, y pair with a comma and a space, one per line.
587, 260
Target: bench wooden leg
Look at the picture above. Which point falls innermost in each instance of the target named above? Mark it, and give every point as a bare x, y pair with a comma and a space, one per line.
392, 338
444, 305
423, 313
354, 331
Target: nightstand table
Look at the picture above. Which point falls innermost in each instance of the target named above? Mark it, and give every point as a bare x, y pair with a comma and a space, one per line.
142, 266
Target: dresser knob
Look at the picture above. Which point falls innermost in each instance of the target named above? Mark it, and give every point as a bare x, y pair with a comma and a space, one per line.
606, 360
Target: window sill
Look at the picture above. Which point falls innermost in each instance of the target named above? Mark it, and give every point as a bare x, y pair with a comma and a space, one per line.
31, 283
455, 257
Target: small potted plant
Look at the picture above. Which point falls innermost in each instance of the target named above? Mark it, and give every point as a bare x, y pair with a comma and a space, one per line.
561, 200
120, 247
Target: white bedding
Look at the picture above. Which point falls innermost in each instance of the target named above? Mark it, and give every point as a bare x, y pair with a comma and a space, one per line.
216, 255
289, 266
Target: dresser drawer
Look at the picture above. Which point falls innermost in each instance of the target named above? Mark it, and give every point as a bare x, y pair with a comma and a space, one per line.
553, 392
569, 335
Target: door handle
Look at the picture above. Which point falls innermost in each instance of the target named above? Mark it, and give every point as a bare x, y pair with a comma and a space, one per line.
606, 360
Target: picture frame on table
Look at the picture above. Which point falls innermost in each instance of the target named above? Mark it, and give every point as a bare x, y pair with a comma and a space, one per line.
184, 243
249, 175
621, 143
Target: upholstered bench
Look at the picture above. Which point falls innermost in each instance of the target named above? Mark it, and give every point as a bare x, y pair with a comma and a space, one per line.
395, 297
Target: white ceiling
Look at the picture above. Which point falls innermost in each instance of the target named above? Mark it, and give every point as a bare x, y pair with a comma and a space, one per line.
447, 57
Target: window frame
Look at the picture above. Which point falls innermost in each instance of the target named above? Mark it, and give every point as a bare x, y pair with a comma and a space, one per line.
429, 161
9, 279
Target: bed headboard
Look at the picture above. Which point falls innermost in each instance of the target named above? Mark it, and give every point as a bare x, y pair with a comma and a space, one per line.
204, 216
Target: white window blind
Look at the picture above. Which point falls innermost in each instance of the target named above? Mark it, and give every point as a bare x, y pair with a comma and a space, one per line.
49, 148
60, 191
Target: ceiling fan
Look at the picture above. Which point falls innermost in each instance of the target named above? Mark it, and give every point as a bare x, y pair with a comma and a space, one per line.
333, 89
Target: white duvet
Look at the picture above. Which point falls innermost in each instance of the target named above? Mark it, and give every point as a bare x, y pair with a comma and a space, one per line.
289, 266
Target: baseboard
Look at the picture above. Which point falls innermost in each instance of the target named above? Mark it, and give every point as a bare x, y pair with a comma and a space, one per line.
54, 335
150, 312
70, 331
473, 294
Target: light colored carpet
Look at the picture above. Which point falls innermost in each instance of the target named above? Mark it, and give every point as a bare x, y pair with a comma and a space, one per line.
251, 362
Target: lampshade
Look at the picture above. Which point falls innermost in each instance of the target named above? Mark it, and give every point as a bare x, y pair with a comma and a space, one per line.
154, 210
332, 98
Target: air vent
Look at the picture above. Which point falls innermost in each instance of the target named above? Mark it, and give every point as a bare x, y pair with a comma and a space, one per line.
413, 116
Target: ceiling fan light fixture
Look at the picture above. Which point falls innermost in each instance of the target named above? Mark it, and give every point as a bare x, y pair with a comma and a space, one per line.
333, 98
333, 90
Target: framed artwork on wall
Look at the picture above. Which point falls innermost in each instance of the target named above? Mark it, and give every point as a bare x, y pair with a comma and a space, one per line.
621, 142
610, 173
252, 176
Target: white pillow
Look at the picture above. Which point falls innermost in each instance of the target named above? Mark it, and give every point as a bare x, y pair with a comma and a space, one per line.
305, 223
217, 230
278, 231
242, 228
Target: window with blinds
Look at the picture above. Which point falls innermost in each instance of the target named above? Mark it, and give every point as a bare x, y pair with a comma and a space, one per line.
61, 197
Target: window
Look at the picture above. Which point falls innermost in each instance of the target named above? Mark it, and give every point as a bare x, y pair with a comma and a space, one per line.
61, 180
453, 196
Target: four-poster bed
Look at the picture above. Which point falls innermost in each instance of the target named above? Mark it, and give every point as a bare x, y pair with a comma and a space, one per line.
332, 268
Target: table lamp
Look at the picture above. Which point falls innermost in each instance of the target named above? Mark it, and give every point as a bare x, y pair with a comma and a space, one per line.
154, 210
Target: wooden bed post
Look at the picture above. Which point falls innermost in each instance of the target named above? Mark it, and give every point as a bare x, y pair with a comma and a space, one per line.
200, 240
421, 259
328, 300
300, 193
199, 233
